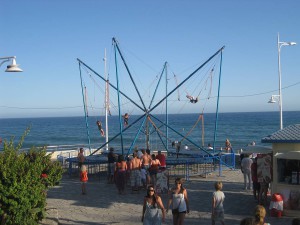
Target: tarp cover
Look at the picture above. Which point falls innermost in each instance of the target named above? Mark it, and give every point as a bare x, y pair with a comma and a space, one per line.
288, 155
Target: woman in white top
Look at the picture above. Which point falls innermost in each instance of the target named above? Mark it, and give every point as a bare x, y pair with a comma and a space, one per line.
180, 203
152, 204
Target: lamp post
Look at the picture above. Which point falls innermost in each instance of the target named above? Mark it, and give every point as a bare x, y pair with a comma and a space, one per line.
13, 67
279, 97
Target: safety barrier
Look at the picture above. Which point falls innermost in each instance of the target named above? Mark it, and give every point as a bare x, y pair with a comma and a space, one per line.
178, 167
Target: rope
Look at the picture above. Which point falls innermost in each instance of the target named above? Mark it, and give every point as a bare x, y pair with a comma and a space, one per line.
190, 131
206, 81
102, 92
157, 129
176, 82
85, 100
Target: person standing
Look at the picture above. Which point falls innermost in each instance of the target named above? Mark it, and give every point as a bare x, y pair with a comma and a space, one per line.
162, 159
153, 170
80, 158
180, 204
146, 162
135, 173
83, 179
111, 156
256, 185
217, 209
246, 169
121, 168
228, 145
152, 203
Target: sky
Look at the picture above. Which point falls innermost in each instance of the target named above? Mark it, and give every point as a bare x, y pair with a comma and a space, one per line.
47, 37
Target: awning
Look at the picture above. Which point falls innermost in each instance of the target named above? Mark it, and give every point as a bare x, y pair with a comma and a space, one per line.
288, 155
257, 149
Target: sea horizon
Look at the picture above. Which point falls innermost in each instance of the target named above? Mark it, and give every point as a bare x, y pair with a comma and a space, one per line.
241, 128
61, 116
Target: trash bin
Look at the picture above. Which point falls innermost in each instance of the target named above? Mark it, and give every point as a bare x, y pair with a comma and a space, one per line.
276, 205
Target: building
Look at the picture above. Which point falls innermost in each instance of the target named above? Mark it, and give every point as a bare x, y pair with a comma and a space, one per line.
286, 167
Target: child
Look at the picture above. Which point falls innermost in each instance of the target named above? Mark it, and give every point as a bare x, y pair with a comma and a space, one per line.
83, 179
259, 215
126, 118
217, 210
99, 124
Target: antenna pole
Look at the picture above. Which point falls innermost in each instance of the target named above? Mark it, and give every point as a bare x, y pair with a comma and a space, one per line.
106, 101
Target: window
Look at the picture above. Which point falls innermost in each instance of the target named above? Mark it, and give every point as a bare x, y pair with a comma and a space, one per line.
288, 171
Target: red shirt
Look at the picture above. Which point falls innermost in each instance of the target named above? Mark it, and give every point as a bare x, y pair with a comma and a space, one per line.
254, 172
162, 159
83, 176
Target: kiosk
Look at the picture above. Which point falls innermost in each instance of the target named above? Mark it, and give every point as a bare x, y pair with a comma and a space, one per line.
286, 167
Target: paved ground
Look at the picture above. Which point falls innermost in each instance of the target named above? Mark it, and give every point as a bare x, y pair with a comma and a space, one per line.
102, 205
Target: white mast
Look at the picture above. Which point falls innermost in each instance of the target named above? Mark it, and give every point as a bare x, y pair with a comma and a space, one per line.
106, 101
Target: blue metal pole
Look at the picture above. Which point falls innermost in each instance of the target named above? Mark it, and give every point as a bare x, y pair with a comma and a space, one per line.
122, 93
162, 72
167, 118
85, 111
186, 138
193, 73
217, 115
111, 139
117, 46
119, 105
137, 134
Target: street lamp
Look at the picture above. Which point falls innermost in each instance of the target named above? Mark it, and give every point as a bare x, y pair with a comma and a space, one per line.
13, 67
279, 97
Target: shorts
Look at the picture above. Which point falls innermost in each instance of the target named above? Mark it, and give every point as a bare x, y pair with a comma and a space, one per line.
153, 172
147, 168
218, 215
183, 212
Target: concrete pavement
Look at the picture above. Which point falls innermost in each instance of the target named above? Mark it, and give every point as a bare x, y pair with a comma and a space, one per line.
102, 204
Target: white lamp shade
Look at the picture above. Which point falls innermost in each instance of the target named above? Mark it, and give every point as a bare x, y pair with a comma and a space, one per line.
14, 67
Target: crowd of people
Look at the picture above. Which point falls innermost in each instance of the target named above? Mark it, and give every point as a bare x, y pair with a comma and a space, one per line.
141, 170
260, 186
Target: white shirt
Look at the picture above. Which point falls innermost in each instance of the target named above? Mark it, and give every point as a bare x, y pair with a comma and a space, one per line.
179, 202
246, 164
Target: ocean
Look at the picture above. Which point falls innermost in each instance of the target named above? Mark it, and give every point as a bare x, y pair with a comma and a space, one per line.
240, 128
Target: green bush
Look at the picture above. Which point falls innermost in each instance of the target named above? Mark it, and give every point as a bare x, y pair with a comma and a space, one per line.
24, 180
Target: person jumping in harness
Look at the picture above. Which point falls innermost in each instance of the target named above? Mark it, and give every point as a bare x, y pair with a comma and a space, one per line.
192, 99
126, 118
99, 124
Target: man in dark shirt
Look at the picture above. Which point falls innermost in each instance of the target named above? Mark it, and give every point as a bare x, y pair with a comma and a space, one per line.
111, 166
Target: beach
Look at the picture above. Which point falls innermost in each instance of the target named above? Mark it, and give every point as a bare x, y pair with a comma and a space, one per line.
103, 205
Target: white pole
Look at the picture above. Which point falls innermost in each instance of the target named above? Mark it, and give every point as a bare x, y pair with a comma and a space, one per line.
279, 74
106, 101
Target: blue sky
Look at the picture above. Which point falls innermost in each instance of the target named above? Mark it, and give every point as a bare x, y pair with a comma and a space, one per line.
48, 36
